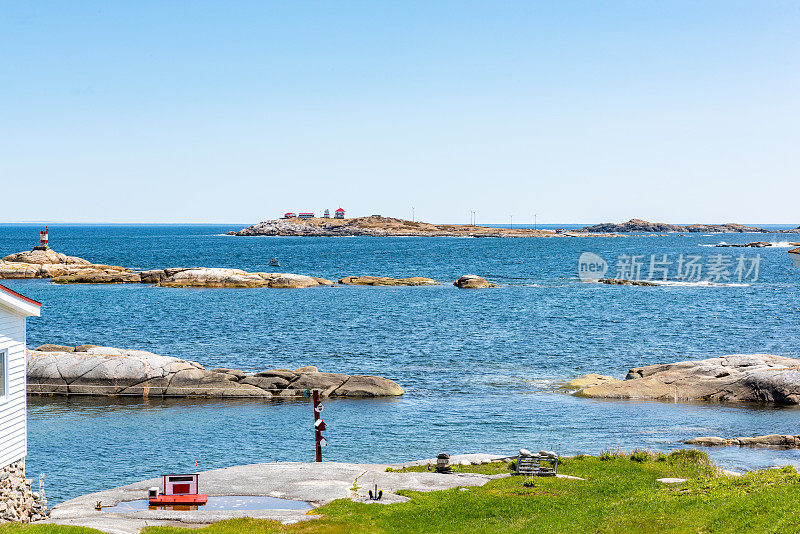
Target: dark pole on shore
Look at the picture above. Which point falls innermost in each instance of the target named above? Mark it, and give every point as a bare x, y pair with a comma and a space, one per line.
319, 424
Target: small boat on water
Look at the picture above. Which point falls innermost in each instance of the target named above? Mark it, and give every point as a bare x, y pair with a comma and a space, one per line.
274, 262
795, 255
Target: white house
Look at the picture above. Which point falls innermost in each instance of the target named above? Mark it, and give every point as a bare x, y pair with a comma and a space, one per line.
14, 308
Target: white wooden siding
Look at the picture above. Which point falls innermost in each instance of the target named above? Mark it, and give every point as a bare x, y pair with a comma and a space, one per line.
13, 414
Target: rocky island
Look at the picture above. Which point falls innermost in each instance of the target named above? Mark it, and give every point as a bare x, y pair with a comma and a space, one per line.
377, 226
108, 371
759, 378
639, 225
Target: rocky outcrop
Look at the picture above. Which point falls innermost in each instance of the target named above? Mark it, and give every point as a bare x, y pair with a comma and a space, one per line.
638, 225
108, 371
762, 378
40, 256
97, 276
386, 281
755, 244
215, 277
40, 263
772, 440
63, 269
471, 281
625, 282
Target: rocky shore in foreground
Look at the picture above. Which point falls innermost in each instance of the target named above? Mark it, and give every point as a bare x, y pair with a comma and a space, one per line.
639, 225
736, 378
107, 371
377, 226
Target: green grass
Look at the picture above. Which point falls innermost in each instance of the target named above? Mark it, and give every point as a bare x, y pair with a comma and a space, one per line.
620, 494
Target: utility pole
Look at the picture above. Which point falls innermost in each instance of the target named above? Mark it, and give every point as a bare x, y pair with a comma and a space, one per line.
534, 221
412, 214
512, 221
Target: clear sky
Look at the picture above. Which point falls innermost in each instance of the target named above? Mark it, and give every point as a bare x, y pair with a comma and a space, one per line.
205, 111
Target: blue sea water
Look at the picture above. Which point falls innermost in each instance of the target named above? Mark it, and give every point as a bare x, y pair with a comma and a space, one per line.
478, 367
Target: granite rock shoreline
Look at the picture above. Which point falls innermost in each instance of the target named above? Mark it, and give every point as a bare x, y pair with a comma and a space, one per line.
735, 378
107, 371
63, 269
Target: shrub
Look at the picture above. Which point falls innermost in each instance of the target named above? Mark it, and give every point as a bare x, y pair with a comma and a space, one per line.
661, 457
640, 456
512, 465
689, 456
606, 456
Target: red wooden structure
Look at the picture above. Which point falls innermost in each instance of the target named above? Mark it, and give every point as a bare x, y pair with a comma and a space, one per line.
178, 489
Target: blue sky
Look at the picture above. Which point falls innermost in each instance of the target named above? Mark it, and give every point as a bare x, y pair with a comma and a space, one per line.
201, 111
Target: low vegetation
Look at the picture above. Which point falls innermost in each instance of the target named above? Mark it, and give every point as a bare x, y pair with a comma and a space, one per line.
620, 493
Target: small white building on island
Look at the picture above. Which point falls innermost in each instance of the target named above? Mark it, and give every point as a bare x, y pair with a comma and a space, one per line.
14, 492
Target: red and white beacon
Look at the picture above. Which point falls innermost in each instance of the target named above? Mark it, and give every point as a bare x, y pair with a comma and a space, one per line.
44, 238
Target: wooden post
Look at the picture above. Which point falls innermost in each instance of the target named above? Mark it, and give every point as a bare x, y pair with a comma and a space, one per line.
319, 425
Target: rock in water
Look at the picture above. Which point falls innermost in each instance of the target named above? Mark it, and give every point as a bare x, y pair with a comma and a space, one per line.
471, 281
585, 381
386, 281
787, 441
761, 378
104, 371
215, 277
42, 257
625, 282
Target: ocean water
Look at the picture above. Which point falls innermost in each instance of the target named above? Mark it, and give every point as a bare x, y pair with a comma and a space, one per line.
479, 367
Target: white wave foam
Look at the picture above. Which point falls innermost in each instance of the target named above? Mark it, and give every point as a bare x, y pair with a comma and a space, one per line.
778, 244
701, 283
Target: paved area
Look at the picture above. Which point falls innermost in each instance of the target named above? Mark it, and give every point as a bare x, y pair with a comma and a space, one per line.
315, 483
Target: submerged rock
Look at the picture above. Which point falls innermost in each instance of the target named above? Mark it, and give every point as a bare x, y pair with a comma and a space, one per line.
386, 281
108, 371
762, 378
585, 381
471, 281
625, 282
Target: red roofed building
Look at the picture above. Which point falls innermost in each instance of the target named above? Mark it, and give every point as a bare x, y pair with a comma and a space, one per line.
338, 214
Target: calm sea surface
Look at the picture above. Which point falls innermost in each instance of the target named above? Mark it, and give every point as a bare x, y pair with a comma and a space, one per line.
478, 367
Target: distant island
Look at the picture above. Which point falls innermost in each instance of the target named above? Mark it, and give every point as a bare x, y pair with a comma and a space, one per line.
638, 225
375, 225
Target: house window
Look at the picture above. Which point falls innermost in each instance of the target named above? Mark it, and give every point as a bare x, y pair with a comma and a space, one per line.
3, 372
